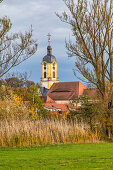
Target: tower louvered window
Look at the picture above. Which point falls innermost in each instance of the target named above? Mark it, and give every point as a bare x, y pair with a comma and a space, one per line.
44, 74
53, 74
53, 66
44, 66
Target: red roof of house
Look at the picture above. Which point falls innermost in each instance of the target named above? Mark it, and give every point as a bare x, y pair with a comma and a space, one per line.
91, 92
49, 100
66, 90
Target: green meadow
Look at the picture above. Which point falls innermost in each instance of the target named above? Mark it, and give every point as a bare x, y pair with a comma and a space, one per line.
72, 156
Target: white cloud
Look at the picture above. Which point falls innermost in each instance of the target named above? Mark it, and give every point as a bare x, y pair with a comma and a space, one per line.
61, 33
41, 14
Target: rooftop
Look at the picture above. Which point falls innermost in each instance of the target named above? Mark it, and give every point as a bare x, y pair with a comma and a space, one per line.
66, 90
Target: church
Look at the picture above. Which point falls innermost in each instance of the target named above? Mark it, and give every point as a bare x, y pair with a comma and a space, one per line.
49, 69
58, 96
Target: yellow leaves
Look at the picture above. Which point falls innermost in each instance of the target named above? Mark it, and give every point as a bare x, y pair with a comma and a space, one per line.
33, 112
12, 107
18, 99
65, 114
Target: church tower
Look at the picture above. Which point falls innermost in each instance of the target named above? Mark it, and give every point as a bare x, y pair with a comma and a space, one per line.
49, 68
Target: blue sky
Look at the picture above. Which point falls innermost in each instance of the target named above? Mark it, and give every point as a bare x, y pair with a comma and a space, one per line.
41, 14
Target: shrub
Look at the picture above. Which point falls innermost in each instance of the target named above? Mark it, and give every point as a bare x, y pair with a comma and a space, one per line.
11, 106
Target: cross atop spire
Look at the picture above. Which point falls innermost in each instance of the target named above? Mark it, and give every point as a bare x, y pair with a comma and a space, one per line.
49, 35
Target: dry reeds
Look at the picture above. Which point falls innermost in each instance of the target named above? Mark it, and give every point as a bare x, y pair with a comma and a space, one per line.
41, 132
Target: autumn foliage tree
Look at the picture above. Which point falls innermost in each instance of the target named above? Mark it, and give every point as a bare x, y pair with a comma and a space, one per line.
91, 23
92, 27
31, 97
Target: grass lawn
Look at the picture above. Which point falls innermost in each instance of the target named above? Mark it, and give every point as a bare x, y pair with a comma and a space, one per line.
75, 156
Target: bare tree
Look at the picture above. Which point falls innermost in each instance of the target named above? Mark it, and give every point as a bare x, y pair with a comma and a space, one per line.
92, 26
14, 48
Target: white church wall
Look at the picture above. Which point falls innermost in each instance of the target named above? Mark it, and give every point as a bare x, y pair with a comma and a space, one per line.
45, 84
62, 101
67, 102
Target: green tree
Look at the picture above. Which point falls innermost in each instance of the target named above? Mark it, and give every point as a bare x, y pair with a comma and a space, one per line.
13, 82
17, 79
14, 48
89, 110
36, 102
32, 96
22, 93
29, 83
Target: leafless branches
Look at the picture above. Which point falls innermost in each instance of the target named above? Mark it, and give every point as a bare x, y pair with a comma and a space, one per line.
14, 48
92, 27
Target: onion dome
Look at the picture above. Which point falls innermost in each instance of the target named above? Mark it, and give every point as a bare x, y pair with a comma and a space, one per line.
49, 58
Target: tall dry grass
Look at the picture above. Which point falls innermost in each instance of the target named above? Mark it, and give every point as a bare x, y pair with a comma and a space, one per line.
41, 132
17, 128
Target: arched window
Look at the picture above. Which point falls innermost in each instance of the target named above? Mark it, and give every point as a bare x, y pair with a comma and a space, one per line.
44, 66
53, 74
44, 74
53, 66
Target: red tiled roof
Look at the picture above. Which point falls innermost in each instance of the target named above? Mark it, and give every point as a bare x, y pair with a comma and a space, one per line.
66, 90
92, 92
49, 100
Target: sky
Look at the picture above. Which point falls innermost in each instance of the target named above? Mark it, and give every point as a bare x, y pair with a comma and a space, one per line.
41, 14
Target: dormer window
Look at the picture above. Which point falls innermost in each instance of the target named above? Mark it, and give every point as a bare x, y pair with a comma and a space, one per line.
44, 66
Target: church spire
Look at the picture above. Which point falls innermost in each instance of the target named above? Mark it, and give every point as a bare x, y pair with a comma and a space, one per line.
49, 35
49, 68
49, 49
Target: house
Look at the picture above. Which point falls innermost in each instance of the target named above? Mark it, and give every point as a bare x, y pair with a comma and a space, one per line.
66, 92
61, 96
